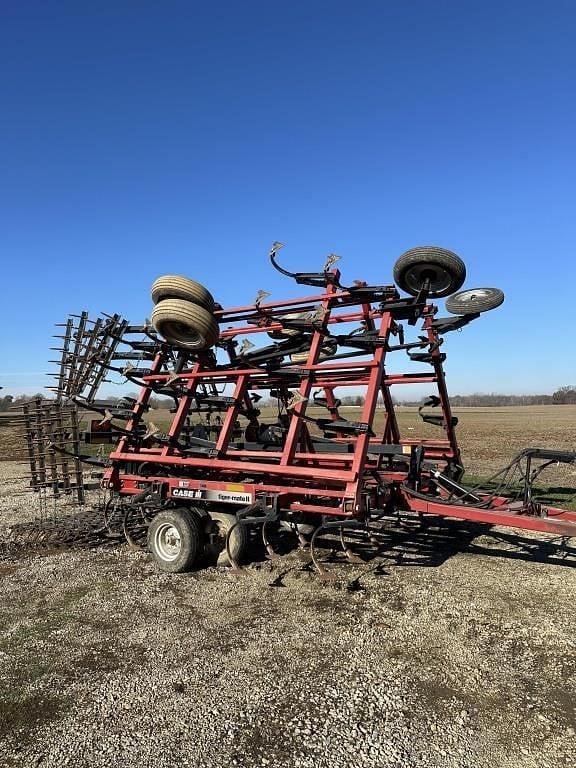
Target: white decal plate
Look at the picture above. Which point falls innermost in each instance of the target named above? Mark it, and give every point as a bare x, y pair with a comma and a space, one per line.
224, 497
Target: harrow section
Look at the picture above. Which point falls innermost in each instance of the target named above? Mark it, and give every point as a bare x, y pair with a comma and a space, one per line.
50, 438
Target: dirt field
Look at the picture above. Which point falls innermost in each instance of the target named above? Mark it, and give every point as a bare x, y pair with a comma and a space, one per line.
455, 647
488, 437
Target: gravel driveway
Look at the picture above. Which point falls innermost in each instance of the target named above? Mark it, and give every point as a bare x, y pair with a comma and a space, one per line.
455, 648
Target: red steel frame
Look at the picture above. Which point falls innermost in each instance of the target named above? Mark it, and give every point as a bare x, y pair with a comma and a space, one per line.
299, 475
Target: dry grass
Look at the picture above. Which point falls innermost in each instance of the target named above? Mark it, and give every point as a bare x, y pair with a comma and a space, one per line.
490, 437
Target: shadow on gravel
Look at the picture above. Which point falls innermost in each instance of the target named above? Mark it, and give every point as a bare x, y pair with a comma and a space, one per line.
427, 544
555, 551
22, 714
406, 541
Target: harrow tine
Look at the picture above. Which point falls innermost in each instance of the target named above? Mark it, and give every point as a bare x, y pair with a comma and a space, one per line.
87, 347
274, 556
303, 542
355, 524
29, 446
131, 543
323, 574
84, 359
39, 427
107, 350
83, 318
352, 557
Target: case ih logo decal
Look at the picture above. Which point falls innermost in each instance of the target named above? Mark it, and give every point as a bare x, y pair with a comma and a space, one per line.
186, 493
225, 497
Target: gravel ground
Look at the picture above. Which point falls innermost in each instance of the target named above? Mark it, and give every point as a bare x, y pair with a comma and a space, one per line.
457, 648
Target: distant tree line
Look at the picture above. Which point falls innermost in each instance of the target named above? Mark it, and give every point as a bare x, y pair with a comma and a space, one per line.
10, 401
353, 400
479, 399
562, 396
565, 395
14, 401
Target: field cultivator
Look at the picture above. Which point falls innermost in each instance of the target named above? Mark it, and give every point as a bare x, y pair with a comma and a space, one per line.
221, 469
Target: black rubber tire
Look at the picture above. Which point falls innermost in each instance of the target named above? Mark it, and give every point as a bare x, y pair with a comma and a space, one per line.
289, 332
185, 553
474, 300
328, 350
185, 324
178, 287
445, 270
215, 549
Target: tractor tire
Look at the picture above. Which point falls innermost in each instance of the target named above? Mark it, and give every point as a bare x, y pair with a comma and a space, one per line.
175, 539
328, 350
215, 552
444, 270
176, 287
474, 300
185, 324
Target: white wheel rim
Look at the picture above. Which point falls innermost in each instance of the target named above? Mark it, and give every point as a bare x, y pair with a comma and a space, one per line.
167, 542
180, 333
475, 293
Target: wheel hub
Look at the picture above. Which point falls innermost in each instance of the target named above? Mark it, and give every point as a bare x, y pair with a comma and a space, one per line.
168, 542
438, 278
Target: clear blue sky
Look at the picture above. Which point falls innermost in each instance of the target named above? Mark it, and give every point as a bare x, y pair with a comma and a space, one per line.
140, 138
